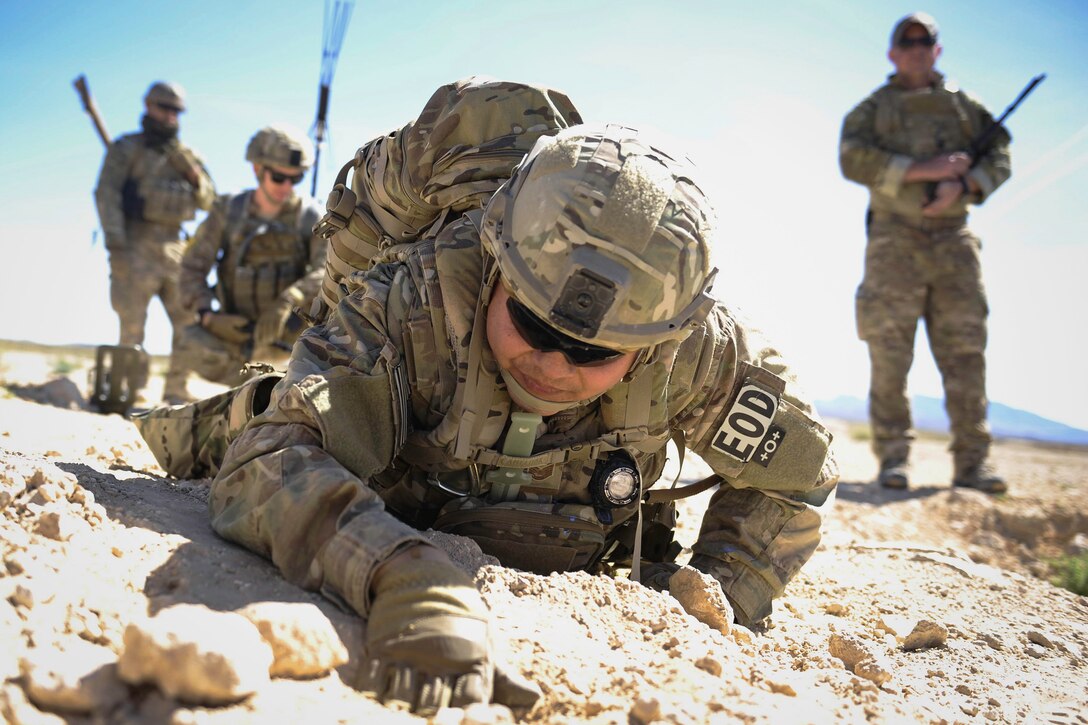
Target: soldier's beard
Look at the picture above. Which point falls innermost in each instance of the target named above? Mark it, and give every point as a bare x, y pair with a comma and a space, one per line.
157, 133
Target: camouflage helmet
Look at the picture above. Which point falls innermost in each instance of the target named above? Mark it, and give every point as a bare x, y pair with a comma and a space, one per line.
166, 94
605, 236
280, 146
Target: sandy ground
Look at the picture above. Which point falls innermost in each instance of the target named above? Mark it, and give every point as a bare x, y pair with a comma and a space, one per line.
929, 605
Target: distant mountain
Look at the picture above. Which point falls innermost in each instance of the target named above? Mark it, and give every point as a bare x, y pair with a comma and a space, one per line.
1005, 422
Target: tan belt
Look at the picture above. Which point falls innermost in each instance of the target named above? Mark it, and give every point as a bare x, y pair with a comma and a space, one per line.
925, 224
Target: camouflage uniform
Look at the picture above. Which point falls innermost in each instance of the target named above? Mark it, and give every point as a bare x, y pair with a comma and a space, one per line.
259, 263
922, 267
143, 197
392, 416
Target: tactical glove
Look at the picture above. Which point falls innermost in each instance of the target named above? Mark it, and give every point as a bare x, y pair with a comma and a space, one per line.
428, 642
271, 324
656, 576
231, 328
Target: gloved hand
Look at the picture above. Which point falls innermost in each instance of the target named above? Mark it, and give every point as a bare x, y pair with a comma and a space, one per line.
428, 641
225, 326
656, 576
271, 323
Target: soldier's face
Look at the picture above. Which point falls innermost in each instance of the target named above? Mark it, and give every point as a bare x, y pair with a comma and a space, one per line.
278, 182
547, 375
164, 114
912, 56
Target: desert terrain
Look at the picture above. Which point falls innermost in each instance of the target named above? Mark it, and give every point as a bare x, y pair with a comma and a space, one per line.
119, 604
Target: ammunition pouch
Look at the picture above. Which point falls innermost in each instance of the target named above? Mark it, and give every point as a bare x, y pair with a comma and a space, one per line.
537, 537
167, 201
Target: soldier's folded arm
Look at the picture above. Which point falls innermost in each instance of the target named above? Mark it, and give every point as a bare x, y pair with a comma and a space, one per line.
283, 494
862, 159
994, 165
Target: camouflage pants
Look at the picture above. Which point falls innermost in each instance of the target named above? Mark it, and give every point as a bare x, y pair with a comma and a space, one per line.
197, 350
148, 269
930, 270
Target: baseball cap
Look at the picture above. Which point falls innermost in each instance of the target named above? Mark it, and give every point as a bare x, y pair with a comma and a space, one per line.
924, 19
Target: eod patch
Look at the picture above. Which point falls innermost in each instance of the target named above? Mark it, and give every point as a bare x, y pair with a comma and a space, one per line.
747, 427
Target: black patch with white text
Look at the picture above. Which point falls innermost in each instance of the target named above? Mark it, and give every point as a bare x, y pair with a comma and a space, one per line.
744, 429
770, 444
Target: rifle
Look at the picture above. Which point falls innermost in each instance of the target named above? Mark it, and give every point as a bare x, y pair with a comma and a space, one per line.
978, 143
92, 110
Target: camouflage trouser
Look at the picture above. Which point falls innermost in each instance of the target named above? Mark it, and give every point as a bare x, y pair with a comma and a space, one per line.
927, 269
189, 441
197, 350
149, 268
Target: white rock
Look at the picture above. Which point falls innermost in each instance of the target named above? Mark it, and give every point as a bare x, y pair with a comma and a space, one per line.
81, 677
195, 654
60, 525
303, 640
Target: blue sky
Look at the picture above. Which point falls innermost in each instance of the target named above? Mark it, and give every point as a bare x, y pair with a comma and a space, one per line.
755, 92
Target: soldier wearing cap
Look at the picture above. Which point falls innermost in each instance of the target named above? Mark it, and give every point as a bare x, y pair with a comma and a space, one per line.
267, 262
516, 322
907, 142
149, 184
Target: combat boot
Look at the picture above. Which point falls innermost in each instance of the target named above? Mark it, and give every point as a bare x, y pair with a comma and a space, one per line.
893, 474
176, 392
981, 477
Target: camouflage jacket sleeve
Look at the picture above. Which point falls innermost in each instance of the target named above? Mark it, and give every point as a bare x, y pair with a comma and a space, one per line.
993, 166
302, 293
861, 157
293, 486
204, 191
200, 256
107, 193
762, 523
451, 159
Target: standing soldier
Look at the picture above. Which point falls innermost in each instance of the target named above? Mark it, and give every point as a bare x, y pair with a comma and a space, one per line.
267, 262
907, 142
149, 184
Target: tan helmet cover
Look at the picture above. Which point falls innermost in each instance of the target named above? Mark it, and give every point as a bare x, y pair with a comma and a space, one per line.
605, 236
280, 146
168, 94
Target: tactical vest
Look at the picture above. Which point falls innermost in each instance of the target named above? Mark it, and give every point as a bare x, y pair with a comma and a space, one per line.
920, 124
155, 190
440, 476
259, 258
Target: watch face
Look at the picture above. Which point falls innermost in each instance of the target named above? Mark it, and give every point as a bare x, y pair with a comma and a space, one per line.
621, 486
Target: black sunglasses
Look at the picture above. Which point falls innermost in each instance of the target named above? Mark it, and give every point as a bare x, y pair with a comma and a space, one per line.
279, 178
542, 336
908, 43
170, 109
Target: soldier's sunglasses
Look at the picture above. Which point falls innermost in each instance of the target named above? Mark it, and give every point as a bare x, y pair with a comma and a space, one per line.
278, 178
542, 336
170, 109
908, 43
